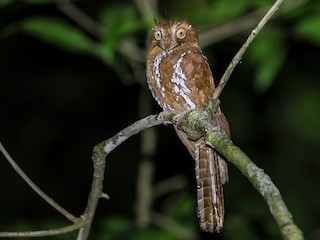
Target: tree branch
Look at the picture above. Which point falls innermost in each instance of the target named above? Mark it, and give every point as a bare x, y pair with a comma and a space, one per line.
82, 19
200, 121
43, 233
35, 188
195, 122
260, 180
237, 58
99, 164
101, 151
229, 29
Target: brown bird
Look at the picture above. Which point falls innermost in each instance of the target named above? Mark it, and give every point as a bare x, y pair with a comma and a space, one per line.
180, 79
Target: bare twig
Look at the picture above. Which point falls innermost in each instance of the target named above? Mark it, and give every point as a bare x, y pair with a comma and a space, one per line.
228, 29
78, 222
99, 163
82, 19
36, 188
43, 233
135, 128
237, 58
126, 47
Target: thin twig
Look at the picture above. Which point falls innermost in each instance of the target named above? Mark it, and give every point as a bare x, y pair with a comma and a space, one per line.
99, 163
144, 123
228, 29
236, 26
35, 188
237, 58
43, 233
82, 19
125, 47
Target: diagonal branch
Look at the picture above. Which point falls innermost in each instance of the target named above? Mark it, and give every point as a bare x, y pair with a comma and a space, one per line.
229, 29
237, 58
43, 233
200, 121
260, 180
77, 222
35, 188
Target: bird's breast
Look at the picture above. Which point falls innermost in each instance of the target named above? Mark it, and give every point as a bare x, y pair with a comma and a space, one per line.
169, 82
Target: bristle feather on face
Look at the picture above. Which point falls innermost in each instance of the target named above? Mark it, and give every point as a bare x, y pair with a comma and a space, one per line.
169, 38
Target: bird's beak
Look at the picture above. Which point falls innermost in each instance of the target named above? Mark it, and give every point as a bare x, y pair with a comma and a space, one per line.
167, 45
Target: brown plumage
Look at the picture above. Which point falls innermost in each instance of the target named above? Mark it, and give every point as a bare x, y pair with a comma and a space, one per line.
180, 79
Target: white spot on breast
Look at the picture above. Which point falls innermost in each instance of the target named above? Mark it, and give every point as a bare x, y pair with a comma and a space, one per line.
175, 89
156, 66
163, 91
156, 75
156, 69
179, 78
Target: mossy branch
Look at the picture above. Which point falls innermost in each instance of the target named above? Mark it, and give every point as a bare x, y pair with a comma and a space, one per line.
260, 180
198, 121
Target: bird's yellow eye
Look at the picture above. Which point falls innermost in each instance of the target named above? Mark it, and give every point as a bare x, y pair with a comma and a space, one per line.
157, 35
181, 33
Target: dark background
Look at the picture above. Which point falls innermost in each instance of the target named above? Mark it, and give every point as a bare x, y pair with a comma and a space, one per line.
65, 87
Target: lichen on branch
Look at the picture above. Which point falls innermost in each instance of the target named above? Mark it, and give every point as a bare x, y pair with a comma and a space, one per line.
197, 123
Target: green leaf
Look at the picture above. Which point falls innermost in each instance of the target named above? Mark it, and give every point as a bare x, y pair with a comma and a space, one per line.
308, 29
228, 9
59, 33
214, 12
5, 2
120, 22
267, 53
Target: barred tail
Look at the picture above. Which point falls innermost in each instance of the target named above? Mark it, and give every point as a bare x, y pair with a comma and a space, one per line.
209, 187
